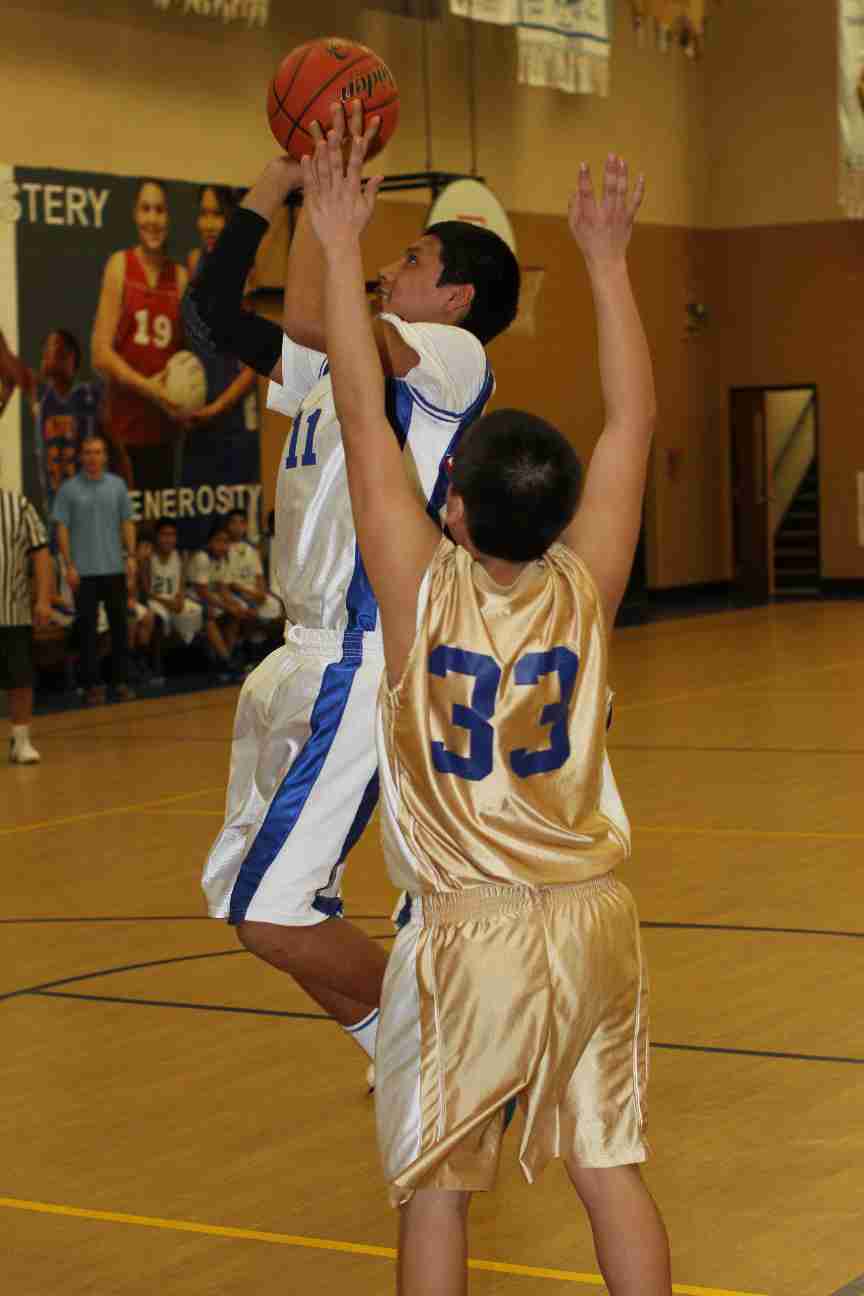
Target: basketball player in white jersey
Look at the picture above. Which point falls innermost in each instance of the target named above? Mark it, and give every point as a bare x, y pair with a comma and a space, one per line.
168, 586
519, 973
304, 777
246, 571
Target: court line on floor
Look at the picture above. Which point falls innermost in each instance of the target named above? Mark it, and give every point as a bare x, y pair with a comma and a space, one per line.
135, 1001
761, 1053
755, 751
117, 971
746, 927
164, 814
113, 810
104, 718
122, 918
670, 829
654, 924
679, 830
326, 1244
689, 694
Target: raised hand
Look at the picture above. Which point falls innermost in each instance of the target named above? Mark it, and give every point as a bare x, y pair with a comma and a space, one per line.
339, 203
347, 129
603, 229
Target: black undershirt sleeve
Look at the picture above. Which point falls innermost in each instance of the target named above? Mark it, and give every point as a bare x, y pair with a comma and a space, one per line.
212, 307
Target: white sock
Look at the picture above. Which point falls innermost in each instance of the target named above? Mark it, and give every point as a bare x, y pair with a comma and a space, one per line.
20, 733
365, 1033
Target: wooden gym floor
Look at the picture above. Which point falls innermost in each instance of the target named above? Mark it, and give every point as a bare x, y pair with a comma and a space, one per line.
176, 1118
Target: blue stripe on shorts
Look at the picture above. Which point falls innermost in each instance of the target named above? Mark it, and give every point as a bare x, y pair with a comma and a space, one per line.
287, 805
332, 905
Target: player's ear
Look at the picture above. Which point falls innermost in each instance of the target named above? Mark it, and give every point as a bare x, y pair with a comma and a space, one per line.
459, 299
454, 508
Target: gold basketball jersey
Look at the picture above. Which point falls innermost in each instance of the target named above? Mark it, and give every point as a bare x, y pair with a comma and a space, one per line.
493, 744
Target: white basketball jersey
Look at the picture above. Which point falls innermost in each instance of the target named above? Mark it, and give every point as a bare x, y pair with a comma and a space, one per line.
244, 563
315, 560
165, 574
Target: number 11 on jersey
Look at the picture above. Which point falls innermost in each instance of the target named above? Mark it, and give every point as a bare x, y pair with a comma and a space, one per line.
308, 458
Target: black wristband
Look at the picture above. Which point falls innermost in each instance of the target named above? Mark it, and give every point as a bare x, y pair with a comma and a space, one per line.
212, 309
222, 272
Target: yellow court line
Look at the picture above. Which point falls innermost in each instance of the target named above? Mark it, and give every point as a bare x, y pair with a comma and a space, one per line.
690, 694
325, 1244
157, 814
102, 814
746, 832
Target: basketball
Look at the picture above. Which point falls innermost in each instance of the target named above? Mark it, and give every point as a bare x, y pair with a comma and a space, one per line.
185, 381
322, 72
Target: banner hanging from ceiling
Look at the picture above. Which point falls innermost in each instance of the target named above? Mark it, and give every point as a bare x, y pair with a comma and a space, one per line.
674, 22
850, 29
564, 44
252, 13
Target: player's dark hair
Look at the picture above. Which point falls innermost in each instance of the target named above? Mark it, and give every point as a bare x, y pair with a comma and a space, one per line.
218, 525
235, 512
146, 535
473, 255
519, 480
72, 343
145, 180
163, 522
223, 194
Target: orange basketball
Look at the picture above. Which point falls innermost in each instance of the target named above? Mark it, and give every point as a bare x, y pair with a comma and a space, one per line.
323, 72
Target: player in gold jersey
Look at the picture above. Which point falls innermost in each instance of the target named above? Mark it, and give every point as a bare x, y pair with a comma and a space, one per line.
519, 973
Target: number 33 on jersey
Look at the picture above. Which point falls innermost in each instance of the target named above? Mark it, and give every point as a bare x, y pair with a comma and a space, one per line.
492, 747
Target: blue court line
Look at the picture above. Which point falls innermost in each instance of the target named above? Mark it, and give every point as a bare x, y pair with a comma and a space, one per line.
645, 924
175, 1003
760, 1053
741, 927
115, 971
110, 918
278, 1012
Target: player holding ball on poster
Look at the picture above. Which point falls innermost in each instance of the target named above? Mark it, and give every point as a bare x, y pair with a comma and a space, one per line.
136, 332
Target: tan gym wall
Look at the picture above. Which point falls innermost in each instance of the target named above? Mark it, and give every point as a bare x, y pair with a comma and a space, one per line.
740, 151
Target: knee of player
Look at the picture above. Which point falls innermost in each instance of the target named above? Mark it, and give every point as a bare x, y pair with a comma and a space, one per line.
275, 943
599, 1184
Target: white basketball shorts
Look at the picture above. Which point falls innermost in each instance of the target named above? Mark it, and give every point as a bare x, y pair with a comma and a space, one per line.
303, 781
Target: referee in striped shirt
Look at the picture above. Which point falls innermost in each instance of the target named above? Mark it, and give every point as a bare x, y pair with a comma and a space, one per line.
23, 540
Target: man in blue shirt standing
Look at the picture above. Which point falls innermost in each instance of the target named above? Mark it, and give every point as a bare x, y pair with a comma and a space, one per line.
96, 537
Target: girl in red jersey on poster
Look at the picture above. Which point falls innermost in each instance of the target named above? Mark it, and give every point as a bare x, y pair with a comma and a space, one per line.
136, 331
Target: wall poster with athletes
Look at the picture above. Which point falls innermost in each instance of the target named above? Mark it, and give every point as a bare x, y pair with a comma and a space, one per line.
92, 269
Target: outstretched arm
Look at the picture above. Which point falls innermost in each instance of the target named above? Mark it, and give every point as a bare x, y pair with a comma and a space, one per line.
303, 310
397, 539
605, 529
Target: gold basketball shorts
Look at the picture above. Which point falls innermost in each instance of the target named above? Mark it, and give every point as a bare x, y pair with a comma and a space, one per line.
496, 993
